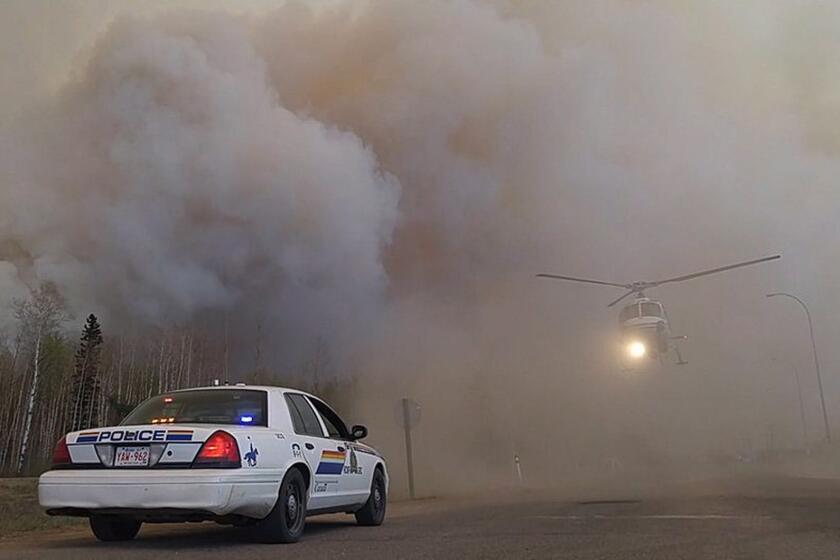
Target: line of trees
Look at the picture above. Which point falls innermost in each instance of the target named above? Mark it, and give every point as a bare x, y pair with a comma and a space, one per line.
53, 381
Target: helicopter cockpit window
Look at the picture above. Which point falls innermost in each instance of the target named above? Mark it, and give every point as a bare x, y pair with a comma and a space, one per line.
651, 310
629, 312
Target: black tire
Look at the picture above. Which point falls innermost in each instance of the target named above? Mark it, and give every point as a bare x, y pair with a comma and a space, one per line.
286, 521
373, 512
110, 528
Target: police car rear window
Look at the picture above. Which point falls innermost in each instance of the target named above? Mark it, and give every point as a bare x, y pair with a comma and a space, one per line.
241, 407
304, 420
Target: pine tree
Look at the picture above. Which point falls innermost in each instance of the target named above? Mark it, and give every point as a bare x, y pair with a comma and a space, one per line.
85, 387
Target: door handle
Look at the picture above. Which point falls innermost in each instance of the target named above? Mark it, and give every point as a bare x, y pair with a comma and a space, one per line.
309, 446
340, 449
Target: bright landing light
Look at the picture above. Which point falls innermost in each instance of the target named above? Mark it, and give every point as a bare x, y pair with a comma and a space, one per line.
636, 349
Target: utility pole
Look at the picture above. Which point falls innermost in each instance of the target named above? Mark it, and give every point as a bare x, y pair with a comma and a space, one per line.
407, 420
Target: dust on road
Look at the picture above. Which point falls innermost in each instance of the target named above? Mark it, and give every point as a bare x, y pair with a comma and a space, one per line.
766, 519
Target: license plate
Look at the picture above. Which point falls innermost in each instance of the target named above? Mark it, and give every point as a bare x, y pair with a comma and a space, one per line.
132, 457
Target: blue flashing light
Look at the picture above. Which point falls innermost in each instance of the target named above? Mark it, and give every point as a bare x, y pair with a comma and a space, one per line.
246, 419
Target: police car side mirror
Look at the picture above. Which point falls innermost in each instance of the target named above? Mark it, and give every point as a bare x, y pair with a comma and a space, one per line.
358, 432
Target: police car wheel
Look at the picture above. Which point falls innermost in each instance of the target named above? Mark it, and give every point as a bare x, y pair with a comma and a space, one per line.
109, 528
286, 521
373, 512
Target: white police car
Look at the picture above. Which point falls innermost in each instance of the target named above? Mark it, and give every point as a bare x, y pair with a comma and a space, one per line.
264, 457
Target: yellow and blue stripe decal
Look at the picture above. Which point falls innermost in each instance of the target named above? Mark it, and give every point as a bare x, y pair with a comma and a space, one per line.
332, 462
87, 437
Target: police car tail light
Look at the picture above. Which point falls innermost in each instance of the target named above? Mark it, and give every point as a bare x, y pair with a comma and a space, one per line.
219, 451
61, 454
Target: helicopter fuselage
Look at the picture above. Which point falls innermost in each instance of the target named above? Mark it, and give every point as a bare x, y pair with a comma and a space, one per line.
645, 322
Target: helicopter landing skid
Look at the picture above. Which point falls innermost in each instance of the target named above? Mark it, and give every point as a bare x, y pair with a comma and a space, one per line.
676, 347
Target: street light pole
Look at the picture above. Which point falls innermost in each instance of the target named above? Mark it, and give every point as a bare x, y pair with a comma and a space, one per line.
816, 359
804, 425
801, 409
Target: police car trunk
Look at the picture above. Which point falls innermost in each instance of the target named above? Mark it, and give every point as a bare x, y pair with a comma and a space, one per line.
175, 457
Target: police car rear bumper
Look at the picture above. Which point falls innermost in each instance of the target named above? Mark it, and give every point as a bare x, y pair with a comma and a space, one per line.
191, 492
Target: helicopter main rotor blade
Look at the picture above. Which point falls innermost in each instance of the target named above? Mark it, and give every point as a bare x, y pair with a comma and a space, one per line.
715, 270
585, 280
621, 298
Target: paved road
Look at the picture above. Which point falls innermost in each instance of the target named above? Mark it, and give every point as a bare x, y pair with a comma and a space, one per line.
770, 520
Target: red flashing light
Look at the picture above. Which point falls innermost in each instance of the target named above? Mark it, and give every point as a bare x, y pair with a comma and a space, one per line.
61, 453
219, 451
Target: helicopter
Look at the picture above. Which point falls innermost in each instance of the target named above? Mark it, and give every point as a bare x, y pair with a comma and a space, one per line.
644, 324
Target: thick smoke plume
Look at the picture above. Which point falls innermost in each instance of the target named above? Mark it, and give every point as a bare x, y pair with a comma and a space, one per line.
391, 175
168, 180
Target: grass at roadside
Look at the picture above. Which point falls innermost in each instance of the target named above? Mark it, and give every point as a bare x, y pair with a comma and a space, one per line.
20, 512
